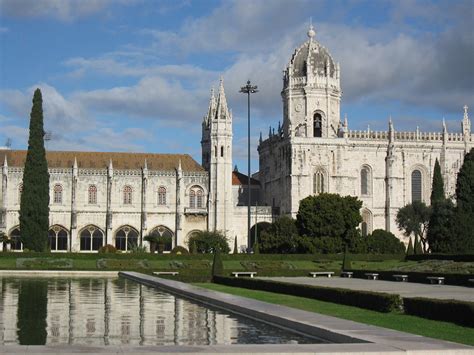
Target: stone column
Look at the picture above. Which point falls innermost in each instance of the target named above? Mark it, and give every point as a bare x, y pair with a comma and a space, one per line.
179, 206
73, 229
108, 216
143, 199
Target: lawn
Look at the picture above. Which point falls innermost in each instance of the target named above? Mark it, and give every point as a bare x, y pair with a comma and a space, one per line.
410, 324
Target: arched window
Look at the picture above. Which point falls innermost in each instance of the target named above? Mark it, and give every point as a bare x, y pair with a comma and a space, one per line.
92, 195
57, 236
127, 195
126, 238
318, 184
196, 197
92, 238
162, 231
162, 195
364, 181
15, 239
416, 186
317, 125
58, 194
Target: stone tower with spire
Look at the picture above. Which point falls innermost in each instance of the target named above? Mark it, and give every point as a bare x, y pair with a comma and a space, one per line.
216, 147
311, 92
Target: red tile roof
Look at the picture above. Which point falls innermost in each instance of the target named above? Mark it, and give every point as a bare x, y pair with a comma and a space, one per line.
241, 179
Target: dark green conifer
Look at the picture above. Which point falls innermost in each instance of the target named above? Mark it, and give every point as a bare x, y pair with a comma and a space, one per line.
217, 264
437, 189
236, 250
410, 249
418, 248
34, 204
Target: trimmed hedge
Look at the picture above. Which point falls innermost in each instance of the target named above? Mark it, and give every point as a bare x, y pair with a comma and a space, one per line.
453, 257
444, 310
419, 277
381, 302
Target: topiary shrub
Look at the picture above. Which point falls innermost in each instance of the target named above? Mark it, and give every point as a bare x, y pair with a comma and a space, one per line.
178, 250
383, 242
217, 264
105, 249
208, 242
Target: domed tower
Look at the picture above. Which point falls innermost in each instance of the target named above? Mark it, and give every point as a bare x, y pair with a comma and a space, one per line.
311, 92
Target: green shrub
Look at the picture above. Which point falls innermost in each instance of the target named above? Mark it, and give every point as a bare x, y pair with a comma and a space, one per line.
107, 249
208, 242
444, 310
346, 263
193, 248
256, 248
383, 242
236, 250
179, 250
453, 257
137, 249
381, 302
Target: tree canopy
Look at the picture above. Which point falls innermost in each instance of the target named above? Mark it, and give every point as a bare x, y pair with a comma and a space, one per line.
414, 219
280, 237
209, 242
34, 203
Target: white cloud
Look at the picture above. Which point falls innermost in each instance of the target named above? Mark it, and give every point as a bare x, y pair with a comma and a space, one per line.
63, 10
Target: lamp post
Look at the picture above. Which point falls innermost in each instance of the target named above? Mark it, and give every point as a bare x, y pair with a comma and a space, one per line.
248, 89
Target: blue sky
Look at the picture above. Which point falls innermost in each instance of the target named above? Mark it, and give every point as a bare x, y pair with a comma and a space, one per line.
135, 75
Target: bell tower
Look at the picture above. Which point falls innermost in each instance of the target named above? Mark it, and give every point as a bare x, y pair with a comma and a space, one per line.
311, 92
216, 146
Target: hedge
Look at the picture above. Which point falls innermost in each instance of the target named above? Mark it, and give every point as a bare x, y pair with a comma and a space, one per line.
453, 257
445, 310
419, 277
381, 302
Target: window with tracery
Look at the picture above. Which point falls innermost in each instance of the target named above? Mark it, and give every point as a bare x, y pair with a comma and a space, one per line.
15, 240
127, 195
196, 199
92, 195
318, 184
126, 238
416, 191
91, 238
162, 195
58, 194
364, 181
57, 237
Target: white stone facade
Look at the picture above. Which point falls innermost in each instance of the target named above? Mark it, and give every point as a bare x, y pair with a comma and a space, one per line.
315, 152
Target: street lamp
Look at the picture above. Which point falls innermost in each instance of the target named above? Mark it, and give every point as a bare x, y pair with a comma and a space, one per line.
248, 89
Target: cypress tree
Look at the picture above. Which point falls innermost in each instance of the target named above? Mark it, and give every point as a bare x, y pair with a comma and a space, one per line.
437, 189
410, 249
418, 248
236, 251
217, 264
463, 241
34, 204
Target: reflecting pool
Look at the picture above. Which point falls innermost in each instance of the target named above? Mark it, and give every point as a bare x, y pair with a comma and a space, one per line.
117, 311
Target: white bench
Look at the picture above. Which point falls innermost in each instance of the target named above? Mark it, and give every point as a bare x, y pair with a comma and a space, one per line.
322, 273
347, 274
173, 273
436, 280
372, 276
244, 273
403, 278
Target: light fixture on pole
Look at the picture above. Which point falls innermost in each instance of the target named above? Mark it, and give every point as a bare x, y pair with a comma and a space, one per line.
248, 89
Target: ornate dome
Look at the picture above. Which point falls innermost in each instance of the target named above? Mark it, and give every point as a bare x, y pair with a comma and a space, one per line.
311, 56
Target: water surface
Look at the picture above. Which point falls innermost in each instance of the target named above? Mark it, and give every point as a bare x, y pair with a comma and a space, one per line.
117, 311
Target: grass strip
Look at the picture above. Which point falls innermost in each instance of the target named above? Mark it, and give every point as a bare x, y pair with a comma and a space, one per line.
405, 323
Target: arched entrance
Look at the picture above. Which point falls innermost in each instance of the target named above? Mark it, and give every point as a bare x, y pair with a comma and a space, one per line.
258, 228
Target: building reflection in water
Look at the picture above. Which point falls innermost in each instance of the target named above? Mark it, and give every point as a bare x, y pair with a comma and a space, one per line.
111, 311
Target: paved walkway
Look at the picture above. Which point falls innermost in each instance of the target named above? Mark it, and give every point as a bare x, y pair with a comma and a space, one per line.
404, 289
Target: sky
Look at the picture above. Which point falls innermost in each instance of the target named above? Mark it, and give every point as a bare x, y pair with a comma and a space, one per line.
136, 75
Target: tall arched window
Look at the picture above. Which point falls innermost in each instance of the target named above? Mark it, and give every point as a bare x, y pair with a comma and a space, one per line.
92, 195
196, 197
58, 194
317, 125
162, 195
15, 239
162, 231
416, 191
364, 181
366, 225
127, 195
126, 238
92, 238
318, 183
57, 236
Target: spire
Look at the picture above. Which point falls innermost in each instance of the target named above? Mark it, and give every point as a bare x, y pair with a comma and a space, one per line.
311, 32
466, 124
391, 130
211, 110
222, 112
261, 139
5, 163
145, 166
346, 124
111, 168
75, 167
445, 130
179, 165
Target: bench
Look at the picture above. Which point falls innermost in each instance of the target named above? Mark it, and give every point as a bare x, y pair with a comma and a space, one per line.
173, 273
403, 278
372, 276
436, 280
347, 274
244, 273
321, 273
